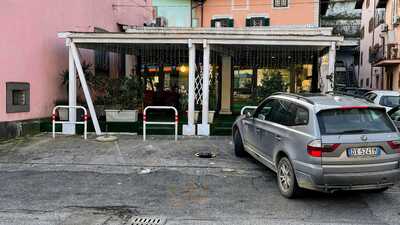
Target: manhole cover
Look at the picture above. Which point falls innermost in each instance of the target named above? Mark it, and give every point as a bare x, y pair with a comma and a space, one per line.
139, 220
206, 155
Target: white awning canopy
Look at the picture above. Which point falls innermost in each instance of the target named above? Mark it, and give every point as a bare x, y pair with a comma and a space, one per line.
289, 36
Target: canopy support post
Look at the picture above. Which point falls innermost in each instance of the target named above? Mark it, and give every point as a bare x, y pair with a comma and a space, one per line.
190, 128
85, 88
204, 128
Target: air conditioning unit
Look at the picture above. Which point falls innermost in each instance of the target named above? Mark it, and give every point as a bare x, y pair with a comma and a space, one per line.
384, 28
396, 20
161, 21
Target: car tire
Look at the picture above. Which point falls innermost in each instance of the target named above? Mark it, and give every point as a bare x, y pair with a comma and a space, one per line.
286, 178
238, 145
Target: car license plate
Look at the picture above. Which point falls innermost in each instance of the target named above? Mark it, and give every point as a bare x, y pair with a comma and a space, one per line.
363, 151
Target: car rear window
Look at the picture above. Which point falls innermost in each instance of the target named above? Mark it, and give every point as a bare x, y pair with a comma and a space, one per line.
354, 121
390, 101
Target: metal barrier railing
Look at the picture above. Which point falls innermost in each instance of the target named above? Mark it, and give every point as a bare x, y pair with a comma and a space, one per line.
247, 107
159, 122
84, 122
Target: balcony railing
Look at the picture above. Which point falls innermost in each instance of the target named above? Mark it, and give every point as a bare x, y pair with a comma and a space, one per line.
384, 52
347, 30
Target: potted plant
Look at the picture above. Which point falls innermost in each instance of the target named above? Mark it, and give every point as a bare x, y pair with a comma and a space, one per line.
123, 98
63, 113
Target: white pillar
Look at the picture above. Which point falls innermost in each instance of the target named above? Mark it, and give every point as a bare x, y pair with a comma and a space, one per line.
331, 68
204, 127
190, 128
70, 128
85, 88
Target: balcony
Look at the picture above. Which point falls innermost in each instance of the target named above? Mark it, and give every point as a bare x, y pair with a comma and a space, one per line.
348, 31
382, 55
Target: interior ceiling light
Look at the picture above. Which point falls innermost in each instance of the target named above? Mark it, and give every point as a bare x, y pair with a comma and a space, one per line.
183, 69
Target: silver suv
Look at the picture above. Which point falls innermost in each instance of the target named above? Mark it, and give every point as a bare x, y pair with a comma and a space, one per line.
321, 142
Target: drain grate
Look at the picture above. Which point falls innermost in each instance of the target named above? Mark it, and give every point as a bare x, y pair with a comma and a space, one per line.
139, 220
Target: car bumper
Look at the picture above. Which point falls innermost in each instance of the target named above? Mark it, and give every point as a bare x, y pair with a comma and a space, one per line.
311, 176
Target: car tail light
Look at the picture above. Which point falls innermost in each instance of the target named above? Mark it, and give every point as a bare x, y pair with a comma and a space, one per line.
315, 148
395, 145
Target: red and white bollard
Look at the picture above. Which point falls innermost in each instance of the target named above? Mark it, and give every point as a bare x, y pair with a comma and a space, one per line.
160, 123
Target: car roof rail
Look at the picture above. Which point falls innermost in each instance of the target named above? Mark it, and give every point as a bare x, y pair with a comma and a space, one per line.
295, 96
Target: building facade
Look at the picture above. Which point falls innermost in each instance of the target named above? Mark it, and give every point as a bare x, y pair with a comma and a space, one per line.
245, 13
371, 37
346, 21
385, 55
32, 56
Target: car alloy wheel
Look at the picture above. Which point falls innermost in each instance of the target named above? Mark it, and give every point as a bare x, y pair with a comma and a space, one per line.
285, 176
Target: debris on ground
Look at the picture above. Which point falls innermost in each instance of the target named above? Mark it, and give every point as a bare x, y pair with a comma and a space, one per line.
144, 171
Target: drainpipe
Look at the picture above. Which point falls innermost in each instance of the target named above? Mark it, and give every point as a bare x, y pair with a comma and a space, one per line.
191, 14
202, 13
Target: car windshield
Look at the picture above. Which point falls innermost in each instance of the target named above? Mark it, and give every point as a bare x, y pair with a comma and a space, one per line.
390, 101
354, 121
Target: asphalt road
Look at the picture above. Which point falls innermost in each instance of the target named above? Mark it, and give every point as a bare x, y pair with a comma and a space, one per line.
72, 181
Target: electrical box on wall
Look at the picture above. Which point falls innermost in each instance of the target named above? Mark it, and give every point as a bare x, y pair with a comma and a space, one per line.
17, 97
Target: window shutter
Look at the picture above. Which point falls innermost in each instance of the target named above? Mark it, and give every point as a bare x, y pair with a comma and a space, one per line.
266, 22
248, 22
230, 23
212, 23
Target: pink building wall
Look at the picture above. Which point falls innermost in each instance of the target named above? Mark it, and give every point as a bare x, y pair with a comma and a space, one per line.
31, 52
298, 12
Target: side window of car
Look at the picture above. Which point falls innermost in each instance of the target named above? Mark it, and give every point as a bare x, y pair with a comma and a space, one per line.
263, 112
300, 115
370, 97
395, 115
281, 114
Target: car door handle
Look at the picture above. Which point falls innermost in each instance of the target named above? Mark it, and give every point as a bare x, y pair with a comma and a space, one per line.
277, 137
258, 130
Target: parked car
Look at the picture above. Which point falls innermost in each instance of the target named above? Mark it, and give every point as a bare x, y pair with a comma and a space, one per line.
388, 99
394, 114
323, 142
352, 91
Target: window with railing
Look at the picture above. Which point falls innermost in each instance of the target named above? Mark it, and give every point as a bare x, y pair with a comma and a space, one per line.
393, 51
257, 21
384, 52
280, 3
379, 16
222, 22
348, 30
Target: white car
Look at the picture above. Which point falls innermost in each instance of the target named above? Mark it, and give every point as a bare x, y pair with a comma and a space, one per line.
388, 99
